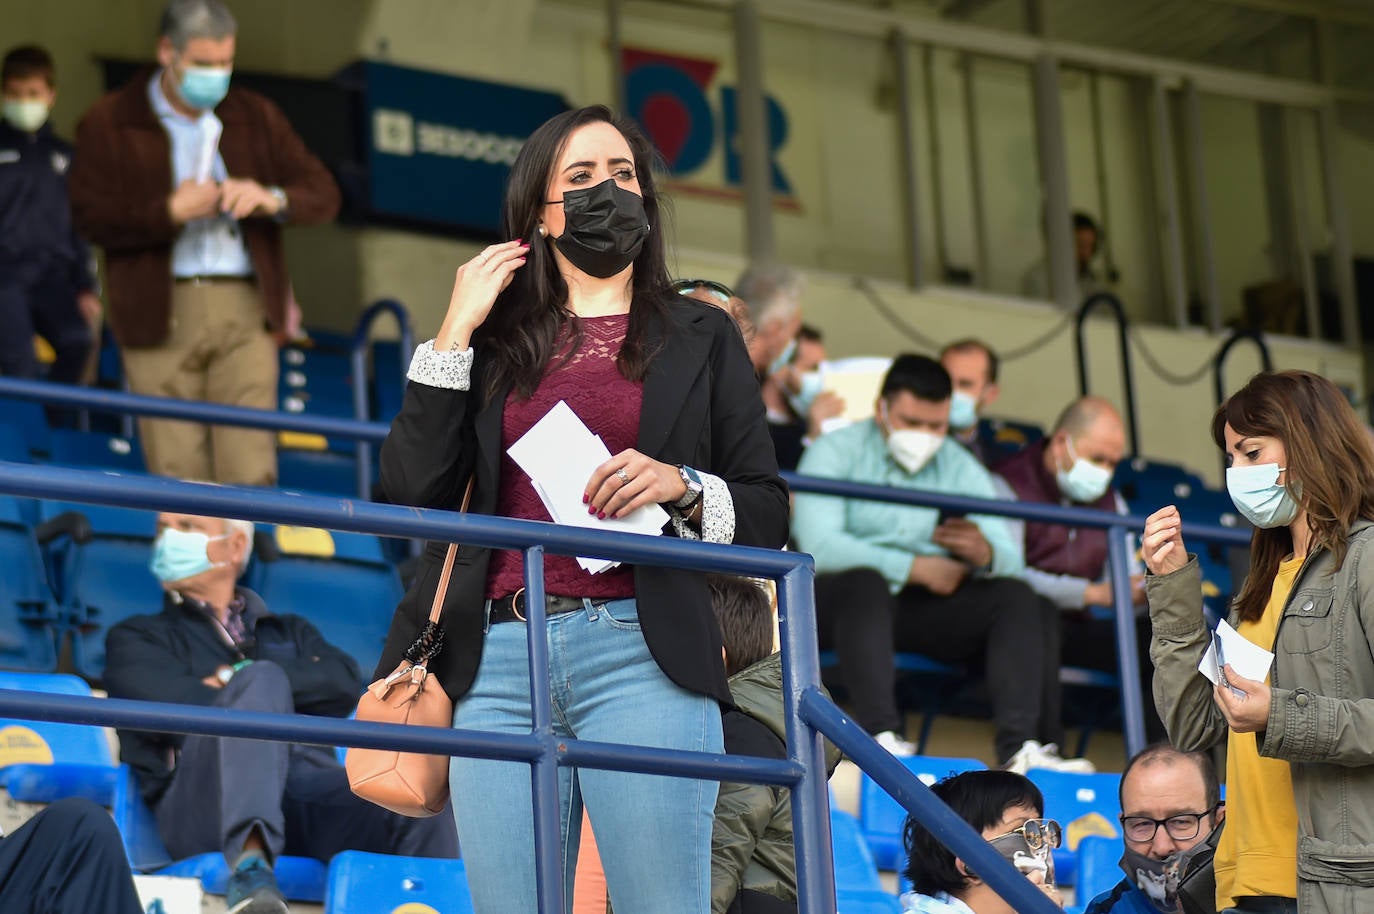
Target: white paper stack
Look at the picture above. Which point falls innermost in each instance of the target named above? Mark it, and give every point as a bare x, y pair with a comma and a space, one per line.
1249, 660
559, 454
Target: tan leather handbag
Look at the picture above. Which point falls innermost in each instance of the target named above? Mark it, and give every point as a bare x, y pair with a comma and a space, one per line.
406, 782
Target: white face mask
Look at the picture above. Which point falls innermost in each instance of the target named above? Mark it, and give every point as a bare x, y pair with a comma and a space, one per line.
1084, 481
911, 448
27, 115
1256, 492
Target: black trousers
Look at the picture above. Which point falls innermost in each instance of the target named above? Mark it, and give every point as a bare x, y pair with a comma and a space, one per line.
999, 621
296, 795
68, 859
750, 902
1091, 643
41, 298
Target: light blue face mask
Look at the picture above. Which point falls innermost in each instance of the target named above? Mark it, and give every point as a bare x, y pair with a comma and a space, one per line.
963, 411
1257, 495
204, 87
784, 358
801, 401
179, 554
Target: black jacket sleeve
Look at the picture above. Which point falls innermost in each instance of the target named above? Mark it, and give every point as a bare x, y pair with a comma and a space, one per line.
325, 681
142, 663
430, 451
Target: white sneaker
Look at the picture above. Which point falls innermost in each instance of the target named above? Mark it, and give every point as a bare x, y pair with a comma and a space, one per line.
1033, 755
894, 744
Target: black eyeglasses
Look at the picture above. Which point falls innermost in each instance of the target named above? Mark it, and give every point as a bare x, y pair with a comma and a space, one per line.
1182, 827
710, 286
1038, 833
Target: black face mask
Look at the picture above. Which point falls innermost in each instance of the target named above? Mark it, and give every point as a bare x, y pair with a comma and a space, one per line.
604, 228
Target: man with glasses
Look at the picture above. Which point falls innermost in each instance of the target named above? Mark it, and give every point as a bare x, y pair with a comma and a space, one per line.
1171, 814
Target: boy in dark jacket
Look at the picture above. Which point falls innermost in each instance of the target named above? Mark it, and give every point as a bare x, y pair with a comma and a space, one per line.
216, 644
753, 867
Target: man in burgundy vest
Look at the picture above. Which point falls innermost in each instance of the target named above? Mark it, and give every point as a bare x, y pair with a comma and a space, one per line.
1067, 566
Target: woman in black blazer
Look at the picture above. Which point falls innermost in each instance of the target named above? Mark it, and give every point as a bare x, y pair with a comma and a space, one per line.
583, 312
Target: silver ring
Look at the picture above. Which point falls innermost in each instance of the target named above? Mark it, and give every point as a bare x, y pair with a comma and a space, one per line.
624, 477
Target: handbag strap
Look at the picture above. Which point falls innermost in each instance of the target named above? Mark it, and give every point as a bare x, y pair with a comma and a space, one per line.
450, 557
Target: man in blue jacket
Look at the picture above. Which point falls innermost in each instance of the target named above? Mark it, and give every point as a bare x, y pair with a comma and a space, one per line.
1171, 814
216, 644
46, 281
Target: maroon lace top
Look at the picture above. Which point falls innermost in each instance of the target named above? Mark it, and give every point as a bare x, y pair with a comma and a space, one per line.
592, 385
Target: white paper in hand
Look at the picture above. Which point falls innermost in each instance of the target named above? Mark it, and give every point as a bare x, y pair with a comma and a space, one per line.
210, 130
559, 454
1249, 660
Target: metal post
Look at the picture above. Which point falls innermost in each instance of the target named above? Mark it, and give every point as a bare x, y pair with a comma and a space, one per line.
1299, 213
937, 168
615, 46
801, 670
1128, 663
1104, 214
1342, 251
1054, 182
753, 134
548, 853
906, 158
1175, 281
975, 172
1202, 214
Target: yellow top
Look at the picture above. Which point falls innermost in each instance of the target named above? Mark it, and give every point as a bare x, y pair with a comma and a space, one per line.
1258, 851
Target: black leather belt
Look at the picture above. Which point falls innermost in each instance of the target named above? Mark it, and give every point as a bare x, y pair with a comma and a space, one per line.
511, 608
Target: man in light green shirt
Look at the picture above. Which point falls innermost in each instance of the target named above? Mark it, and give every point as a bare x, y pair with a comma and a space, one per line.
900, 578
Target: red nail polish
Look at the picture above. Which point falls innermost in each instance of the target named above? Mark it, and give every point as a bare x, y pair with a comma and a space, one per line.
601, 515
584, 498
591, 509
521, 241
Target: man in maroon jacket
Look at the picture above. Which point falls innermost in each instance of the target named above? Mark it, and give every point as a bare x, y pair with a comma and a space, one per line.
186, 184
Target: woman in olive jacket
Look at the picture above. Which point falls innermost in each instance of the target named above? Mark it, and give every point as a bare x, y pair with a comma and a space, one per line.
1300, 762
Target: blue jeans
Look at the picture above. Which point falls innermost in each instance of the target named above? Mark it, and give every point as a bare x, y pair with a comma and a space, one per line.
653, 832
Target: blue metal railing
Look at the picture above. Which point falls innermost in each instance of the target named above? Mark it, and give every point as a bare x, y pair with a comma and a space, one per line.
1118, 527
809, 713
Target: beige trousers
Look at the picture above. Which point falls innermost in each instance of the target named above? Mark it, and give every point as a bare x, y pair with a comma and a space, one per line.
217, 350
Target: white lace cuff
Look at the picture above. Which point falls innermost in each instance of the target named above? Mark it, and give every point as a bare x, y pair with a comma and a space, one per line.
449, 370
717, 513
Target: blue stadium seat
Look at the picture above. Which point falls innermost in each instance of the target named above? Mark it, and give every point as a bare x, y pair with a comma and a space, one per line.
362, 883
869, 902
43, 761
854, 867
28, 611
1149, 485
14, 443
93, 449
342, 582
1098, 867
300, 878
102, 576
321, 472
931, 700
881, 818
30, 418
1084, 804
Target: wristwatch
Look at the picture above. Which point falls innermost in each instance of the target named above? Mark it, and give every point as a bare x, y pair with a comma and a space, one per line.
692, 480
280, 196
224, 673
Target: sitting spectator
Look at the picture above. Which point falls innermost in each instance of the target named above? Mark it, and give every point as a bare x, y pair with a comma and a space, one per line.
773, 295
64, 859
753, 868
1171, 818
972, 367
217, 645
1008, 809
896, 577
710, 292
1087, 242
1068, 565
47, 281
197, 277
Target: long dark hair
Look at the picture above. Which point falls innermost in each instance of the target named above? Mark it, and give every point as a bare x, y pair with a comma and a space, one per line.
1330, 459
521, 333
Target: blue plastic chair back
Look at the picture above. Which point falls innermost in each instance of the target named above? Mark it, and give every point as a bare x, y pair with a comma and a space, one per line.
41, 761
1098, 867
854, 866
31, 419
1083, 804
319, 472
93, 449
869, 902
14, 443
363, 883
28, 609
882, 817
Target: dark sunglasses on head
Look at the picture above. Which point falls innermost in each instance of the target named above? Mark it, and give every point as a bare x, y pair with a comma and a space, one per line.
716, 289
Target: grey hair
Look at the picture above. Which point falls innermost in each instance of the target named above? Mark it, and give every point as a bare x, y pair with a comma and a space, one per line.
772, 292
247, 528
184, 20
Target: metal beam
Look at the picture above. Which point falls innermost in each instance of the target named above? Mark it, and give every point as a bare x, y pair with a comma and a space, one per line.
1338, 219
1054, 183
614, 16
983, 264
937, 168
755, 166
1166, 184
1301, 221
1204, 249
906, 159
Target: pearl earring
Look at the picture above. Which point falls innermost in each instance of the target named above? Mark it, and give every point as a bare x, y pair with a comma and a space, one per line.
542, 230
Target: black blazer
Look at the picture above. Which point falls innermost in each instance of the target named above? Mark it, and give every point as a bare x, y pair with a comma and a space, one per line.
701, 408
